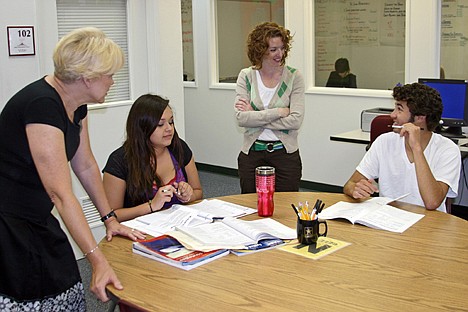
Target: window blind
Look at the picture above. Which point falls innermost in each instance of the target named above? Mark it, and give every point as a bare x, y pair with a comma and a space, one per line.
111, 17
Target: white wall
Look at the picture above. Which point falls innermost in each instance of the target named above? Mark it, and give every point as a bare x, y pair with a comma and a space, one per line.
15, 71
155, 44
155, 63
211, 128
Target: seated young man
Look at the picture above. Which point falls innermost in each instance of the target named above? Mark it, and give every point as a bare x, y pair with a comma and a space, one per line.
412, 159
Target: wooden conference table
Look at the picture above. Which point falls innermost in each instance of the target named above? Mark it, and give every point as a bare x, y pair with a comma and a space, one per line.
423, 269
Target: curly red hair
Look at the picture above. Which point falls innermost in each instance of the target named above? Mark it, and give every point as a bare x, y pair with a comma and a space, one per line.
258, 42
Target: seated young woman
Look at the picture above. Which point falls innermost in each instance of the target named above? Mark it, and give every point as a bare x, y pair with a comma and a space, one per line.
154, 168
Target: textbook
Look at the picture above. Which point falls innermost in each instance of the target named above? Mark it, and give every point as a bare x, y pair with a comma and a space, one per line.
206, 211
374, 213
168, 250
231, 233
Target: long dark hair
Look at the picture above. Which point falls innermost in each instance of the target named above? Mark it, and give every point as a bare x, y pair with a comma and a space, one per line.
143, 118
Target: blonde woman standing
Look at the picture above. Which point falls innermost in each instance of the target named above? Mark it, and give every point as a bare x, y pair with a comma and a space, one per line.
47, 129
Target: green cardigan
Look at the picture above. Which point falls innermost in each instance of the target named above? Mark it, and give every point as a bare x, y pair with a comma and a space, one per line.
289, 93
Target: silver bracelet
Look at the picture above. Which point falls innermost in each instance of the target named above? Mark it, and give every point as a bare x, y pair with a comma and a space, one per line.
91, 251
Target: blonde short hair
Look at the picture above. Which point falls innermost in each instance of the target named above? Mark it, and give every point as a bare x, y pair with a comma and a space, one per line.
86, 53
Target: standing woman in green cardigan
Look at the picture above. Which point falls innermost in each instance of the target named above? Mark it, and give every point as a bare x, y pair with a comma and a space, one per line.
270, 107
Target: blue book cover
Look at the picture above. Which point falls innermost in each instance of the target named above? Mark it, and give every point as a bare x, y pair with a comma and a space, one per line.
264, 244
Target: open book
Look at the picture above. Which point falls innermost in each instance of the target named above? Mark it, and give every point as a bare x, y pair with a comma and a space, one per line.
206, 211
168, 250
374, 213
231, 233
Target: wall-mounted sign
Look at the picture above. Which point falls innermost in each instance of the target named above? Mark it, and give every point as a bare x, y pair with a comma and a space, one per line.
21, 40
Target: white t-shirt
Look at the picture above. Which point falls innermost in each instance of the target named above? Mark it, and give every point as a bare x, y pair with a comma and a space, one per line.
387, 161
266, 94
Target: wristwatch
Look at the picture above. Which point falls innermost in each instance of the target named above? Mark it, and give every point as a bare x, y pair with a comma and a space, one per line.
107, 216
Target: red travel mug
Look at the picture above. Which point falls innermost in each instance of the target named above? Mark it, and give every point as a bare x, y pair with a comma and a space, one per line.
265, 183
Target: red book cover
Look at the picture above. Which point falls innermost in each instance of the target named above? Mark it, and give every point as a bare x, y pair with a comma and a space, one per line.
167, 248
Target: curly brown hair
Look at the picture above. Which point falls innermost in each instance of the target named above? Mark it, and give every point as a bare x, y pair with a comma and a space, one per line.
258, 42
422, 100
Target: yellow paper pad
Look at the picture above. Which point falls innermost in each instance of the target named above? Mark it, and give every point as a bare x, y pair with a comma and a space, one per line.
325, 246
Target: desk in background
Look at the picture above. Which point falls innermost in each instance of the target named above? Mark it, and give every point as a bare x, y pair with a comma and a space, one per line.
423, 269
354, 136
363, 137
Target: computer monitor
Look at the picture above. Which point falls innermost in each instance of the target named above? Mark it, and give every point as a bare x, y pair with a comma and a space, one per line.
454, 94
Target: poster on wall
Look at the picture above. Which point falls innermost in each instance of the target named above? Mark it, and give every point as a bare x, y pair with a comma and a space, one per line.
21, 40
187, 40
392, 23
454, 39
364, 32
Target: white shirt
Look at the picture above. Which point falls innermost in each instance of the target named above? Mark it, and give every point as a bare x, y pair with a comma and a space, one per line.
266, 94
387, 161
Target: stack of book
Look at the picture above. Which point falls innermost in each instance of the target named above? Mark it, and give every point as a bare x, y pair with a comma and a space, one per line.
168, 250
189, 236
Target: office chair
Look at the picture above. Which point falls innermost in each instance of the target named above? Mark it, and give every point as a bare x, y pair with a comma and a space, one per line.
448, 205
125, 306
379, 125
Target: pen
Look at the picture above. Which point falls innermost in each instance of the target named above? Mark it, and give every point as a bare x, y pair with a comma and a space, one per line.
295, 210
317, 204
400, 127
319, 210
314, 214
166, 190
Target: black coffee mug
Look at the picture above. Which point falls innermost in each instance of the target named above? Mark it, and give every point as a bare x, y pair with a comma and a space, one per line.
308, 231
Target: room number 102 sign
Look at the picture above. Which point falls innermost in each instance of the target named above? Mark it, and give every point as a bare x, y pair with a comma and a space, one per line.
21, 40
